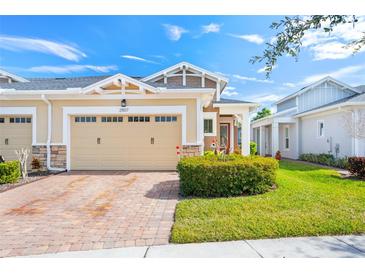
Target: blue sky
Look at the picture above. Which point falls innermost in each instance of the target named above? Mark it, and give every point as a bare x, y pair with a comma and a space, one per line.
42, 46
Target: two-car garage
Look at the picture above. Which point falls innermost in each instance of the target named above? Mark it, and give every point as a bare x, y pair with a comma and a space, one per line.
124, 142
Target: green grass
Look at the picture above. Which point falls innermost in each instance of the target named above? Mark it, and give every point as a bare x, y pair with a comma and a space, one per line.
309, 201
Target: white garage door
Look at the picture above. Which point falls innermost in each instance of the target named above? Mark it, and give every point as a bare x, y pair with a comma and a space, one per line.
138, 142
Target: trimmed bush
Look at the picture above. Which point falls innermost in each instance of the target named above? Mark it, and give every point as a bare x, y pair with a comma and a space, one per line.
357, 166
325, 159
211, 176
9, 172
253, 148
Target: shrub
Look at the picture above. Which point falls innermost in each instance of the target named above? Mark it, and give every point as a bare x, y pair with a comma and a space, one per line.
325, 159
253, 148
9, 172
356, 165
208, 153
211, 177
36, 164
278, 155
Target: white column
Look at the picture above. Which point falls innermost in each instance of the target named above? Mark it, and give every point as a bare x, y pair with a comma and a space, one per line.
245, 134
262, 141
356, 138
298, 139
218, 92
275, 138
231, 149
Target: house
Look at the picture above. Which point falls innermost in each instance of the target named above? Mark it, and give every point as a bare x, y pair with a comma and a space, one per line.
120, 122
324, 117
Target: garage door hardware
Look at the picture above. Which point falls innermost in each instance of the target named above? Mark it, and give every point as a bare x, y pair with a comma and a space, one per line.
152, 140
98, 140
6, 141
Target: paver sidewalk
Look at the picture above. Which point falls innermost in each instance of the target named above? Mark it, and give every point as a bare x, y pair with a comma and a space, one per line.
351, 246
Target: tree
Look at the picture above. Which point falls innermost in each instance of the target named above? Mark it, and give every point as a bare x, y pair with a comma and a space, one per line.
262, 113
291, 30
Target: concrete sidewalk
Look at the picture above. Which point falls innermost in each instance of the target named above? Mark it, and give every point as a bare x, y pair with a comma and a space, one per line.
352, 246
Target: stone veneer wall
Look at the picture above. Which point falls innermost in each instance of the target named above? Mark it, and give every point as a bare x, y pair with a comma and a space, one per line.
58, 156
191, 150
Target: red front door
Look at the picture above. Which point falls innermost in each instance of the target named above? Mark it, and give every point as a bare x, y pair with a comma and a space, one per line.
224, 137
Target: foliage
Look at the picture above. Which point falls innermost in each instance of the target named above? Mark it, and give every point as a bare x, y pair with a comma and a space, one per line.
9, 172
325, 159
356, 165
36, 164
262, 113
288, 41
211, 176
253, 148
309, 201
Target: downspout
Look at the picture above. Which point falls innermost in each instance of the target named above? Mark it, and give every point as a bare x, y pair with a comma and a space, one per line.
49, 134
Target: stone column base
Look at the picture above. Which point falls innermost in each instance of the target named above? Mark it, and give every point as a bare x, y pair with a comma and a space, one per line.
58, 156
191, 150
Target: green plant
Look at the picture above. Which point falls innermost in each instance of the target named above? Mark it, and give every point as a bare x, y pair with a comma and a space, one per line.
9, 172
210, 176
356, 165
253, 148
325, 159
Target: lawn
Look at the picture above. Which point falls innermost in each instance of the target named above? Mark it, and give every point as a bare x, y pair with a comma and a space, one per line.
309, 200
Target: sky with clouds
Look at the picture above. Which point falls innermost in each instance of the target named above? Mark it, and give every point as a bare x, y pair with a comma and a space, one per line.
58, 46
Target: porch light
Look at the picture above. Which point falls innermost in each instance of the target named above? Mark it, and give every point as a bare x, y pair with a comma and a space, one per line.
123, 103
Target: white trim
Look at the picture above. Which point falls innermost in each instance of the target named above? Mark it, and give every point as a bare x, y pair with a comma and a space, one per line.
13, 76
210, 116
199, 122
23, 111
68, 111
318, 129
231, 137
236, 105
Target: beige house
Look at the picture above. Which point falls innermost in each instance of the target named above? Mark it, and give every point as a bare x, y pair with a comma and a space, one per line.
119, 122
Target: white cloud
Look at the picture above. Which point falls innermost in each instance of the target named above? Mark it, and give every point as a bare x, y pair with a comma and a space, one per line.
337, 74
136, 58
230, 91
263, 70
289, 85
72, 68
253, 38
212, 27
252, 79
65, 51
331, 45
174, 32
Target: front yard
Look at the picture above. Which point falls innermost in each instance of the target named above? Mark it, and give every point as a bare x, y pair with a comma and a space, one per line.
309, 200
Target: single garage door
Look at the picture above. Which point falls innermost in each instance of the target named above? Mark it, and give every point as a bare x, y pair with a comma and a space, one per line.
138, 142
15, 133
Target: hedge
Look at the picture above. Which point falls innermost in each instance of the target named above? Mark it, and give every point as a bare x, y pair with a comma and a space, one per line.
253, 148
233, 175
325, 159
9, 172
357, 166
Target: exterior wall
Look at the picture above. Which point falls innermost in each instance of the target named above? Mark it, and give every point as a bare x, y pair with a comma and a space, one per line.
40, 152
321, 95
189, 151
292, 151
58, 156
334, 132
287, 104
41, 115
209, 139
59, 104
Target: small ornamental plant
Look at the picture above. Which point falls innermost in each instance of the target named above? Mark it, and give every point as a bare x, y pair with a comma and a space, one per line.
36, 164
278, 155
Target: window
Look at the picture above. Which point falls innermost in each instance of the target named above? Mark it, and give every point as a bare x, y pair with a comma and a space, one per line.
85, 119
20, 120
287, 140
114, 119
320, 128
208, 125
168, 119
2, 120
138, 119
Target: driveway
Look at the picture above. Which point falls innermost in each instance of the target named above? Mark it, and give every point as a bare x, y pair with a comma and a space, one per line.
88, 210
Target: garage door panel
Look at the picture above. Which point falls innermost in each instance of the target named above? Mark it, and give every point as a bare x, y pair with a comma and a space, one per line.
125, 145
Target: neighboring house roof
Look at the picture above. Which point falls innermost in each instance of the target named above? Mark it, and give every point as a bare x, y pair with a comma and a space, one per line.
325, 79
361, 88
231, 101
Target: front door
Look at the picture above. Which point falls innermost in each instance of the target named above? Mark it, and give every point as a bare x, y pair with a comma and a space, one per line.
224, 137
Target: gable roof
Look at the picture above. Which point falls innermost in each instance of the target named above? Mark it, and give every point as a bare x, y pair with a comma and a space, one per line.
188, 65
13, 76
313, 85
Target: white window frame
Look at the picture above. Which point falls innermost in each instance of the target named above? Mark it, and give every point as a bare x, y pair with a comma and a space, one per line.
287, 137
319, 130
211, 116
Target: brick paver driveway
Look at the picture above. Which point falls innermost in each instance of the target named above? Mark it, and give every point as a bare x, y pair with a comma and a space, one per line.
88, 210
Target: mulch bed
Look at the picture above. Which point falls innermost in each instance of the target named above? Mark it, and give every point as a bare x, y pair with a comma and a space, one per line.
32, 177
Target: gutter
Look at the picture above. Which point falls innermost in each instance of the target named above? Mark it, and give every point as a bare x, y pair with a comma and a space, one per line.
49, 134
